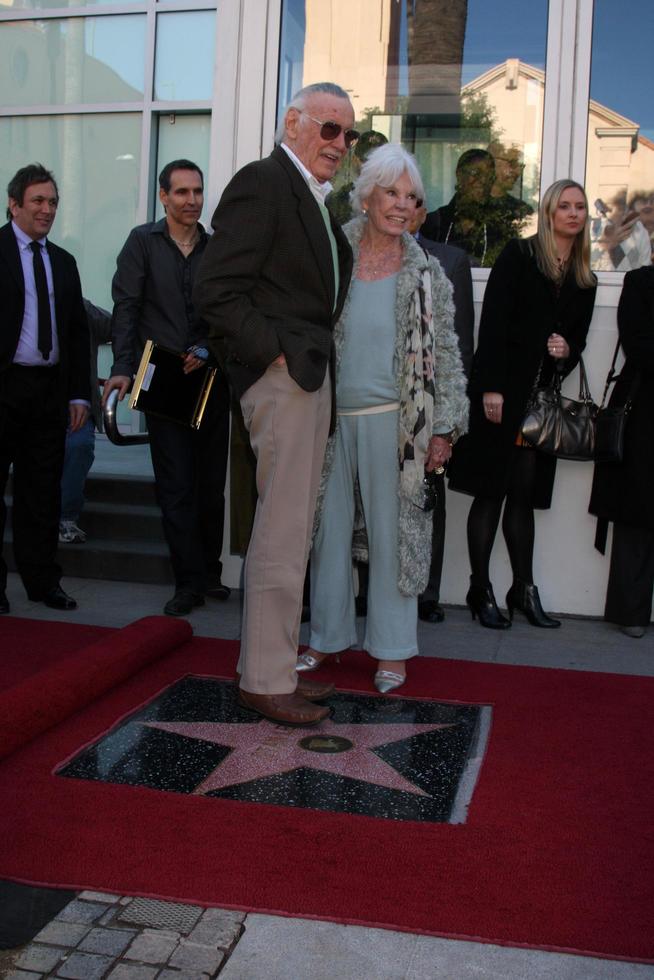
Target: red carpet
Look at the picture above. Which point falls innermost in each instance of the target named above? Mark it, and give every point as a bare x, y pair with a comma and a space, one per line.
556, 853
44, 698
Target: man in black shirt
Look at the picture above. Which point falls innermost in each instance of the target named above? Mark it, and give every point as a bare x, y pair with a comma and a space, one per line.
152, 301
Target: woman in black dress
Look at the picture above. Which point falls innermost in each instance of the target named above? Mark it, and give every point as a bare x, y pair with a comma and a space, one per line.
624, 492
536, 314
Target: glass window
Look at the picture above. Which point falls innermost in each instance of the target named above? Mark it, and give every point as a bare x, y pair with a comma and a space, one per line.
184, 56
50, 4
185, 137
620, 151
460, 84
66, 62
95, 160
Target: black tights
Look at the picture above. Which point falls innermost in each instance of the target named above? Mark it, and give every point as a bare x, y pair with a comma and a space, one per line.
517, 523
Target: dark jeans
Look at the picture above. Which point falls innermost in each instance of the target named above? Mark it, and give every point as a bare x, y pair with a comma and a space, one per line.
78, 460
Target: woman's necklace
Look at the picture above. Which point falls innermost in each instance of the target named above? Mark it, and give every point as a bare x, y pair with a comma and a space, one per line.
379, 263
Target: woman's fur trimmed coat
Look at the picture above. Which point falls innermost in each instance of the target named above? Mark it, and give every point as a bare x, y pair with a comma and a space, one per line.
450, 401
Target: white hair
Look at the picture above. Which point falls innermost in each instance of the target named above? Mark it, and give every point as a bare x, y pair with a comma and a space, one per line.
301, 98
383, 167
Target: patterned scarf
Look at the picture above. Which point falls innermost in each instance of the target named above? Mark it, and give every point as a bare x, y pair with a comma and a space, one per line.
417, 394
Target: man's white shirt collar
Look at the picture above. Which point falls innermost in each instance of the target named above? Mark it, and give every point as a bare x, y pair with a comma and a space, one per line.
319, 191
24, 239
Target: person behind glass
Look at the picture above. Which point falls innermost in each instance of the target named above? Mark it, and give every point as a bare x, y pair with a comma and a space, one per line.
619, 240
464, 222
535, 317
509, 168
400, 395
623, 492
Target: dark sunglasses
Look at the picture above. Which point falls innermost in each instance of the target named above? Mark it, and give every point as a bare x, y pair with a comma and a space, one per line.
330, 130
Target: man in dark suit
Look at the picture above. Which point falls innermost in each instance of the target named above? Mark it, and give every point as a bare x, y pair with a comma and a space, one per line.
456, 267
271, 286
44, 379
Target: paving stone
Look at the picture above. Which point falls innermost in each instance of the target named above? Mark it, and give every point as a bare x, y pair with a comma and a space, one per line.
132, 971
24, 975
153, 946
77, 911
62, 933
218, 927
40, 959
84, 966
181, 975
112, 942
109, 916
98, 897
192, 956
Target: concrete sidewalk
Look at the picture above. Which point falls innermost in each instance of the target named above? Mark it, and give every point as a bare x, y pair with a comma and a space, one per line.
99, 936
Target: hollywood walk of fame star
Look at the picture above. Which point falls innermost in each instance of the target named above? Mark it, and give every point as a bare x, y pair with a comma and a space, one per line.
262, 749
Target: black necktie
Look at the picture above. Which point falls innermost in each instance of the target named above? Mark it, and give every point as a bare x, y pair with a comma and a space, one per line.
45, 319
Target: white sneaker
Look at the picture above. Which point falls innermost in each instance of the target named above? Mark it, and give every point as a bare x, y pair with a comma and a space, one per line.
70, 533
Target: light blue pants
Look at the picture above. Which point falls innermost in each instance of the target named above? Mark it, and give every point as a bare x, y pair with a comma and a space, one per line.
366, 445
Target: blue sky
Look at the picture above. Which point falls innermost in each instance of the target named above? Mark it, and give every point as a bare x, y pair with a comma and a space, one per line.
623, 48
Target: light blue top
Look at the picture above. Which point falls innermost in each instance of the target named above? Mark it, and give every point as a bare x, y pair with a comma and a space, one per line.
367, 373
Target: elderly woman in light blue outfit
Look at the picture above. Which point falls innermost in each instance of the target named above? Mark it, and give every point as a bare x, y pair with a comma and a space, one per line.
401, 403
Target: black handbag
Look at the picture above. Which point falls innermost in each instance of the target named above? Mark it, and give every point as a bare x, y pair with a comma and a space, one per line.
561, 426
611, 420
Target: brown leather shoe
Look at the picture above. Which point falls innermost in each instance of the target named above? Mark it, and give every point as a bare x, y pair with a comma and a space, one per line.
313, 690
285, 709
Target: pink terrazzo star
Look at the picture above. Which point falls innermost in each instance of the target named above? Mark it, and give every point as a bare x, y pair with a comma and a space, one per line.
264, 749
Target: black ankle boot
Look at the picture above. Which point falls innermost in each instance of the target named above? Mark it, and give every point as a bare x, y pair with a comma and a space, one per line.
525, 598
481, 602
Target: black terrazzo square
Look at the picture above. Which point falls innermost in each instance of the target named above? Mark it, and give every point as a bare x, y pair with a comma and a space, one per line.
387, 757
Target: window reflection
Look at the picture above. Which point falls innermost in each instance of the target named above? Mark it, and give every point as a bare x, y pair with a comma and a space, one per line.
443, 77
188, 77
620, 152
80, 60
95, 159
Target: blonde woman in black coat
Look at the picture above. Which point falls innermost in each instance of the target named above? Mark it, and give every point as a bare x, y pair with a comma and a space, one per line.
536, 314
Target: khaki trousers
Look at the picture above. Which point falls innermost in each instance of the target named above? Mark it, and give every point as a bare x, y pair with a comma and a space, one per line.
288, 430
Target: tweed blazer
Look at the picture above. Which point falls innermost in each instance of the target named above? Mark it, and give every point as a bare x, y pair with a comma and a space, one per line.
72, 327
266, 283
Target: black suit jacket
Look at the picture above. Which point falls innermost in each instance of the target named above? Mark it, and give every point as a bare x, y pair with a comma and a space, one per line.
72, 327
266, 282
457, 269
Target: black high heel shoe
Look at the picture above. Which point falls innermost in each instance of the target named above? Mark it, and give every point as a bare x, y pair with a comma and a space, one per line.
525, 598
481, 602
